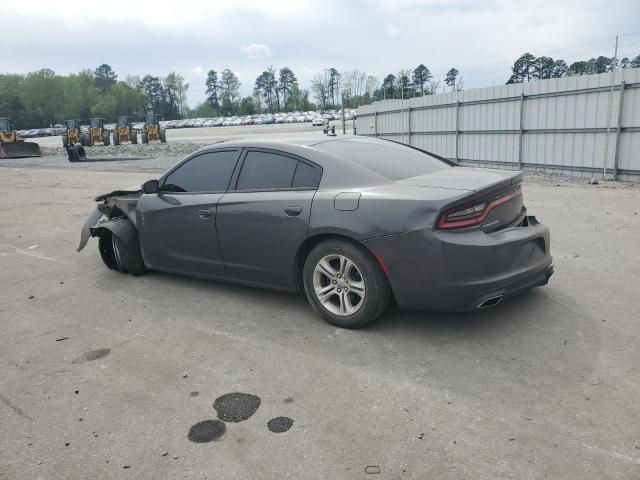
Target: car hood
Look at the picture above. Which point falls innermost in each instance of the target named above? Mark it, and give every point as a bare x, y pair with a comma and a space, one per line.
464, 178
135, 190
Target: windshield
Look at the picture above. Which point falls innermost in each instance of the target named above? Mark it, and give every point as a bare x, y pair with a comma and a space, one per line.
96, 122
151, 118
72, 124
4, 125
123, 121
389, 159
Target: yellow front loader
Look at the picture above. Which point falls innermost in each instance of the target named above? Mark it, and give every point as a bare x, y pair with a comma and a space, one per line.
152, 129
124, 132
12, 146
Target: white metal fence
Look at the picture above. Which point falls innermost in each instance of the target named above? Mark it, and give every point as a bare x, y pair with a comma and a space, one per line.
558, 124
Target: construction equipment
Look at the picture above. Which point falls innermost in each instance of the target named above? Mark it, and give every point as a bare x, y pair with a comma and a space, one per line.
12, 146
72, 134
96, 133
152, 130
124, 132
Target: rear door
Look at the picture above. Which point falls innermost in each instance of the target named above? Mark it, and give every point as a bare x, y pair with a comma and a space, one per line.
264, 218
178, 225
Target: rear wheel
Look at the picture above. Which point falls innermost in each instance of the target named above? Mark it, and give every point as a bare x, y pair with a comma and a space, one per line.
134, 137
145, 138
65, 140
345, 284
163, 136
105, 139
116, 139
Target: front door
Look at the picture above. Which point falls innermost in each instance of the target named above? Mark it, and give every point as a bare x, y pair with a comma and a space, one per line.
178, 225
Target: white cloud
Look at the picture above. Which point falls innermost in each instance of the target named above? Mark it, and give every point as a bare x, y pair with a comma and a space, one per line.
392, 30
256, 50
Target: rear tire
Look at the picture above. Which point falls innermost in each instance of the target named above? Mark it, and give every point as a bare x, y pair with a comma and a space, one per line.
65, 140
134, 137
145, 138
105, 139
163, 136
116, 139
344, 284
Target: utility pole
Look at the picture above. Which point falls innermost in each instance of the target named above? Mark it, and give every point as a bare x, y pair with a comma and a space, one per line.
344, 128
609, 106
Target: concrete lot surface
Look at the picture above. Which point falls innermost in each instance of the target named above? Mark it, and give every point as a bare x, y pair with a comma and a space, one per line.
100, 370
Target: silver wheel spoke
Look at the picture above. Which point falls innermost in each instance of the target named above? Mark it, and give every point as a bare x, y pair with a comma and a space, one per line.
325, 267
325, 293
357, 288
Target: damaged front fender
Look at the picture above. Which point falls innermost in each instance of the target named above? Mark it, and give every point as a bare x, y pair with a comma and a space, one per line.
85, 233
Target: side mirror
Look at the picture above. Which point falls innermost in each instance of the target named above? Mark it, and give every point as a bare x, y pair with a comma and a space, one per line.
151, 186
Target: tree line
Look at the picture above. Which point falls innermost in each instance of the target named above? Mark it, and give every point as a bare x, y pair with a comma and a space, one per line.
528, 67
44, 98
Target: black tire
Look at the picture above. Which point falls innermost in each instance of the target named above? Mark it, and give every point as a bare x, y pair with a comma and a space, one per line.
163, 136
145, 138
79, 153
377, 291
105, 139
65, 140
116, 139
134, 137
84, 140
119, 256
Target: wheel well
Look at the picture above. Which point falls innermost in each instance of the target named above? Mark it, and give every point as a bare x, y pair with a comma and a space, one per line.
309, 244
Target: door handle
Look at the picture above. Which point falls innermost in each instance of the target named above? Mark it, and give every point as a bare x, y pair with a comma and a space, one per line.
293, 211
205, 213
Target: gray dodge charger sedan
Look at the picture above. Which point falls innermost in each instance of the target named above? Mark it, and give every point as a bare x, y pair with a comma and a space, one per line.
351, 221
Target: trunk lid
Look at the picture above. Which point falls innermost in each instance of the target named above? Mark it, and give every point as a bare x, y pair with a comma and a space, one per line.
495, 194
465, 178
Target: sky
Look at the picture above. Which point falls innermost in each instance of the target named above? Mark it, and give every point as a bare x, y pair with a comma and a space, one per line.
480, 38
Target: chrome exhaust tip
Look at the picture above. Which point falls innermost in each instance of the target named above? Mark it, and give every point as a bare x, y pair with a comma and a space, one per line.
490, 302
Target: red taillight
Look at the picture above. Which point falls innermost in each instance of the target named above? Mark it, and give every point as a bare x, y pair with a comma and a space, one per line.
471, 215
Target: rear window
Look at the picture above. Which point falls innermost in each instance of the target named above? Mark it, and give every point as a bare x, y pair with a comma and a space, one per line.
391, 160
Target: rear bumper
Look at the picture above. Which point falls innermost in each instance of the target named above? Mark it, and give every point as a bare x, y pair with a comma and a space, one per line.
451, 271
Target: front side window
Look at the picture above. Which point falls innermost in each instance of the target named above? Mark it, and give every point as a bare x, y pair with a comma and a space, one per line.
209, 172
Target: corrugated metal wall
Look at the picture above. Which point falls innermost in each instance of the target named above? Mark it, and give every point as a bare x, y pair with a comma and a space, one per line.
558, 124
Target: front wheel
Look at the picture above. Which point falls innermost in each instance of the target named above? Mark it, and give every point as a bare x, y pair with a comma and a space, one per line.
345, 284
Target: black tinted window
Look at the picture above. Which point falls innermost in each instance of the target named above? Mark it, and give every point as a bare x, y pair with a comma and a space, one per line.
209, 172
391, 160
306, 176
263, 170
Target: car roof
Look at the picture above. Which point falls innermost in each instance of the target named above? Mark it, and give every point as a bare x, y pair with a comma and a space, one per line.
338, 172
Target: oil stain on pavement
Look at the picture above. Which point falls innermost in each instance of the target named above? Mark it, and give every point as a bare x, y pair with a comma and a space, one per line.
233, 408
92, 355
207, 431
279, 424
236, 407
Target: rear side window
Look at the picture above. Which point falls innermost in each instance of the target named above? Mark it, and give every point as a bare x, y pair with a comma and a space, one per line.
306, 176
391, 160
209, 172
265, 170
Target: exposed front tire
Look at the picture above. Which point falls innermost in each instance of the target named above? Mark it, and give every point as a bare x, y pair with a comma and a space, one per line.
116, 139
345, 284
163, 136
105, 139
119, 256
134, 137
145, 138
